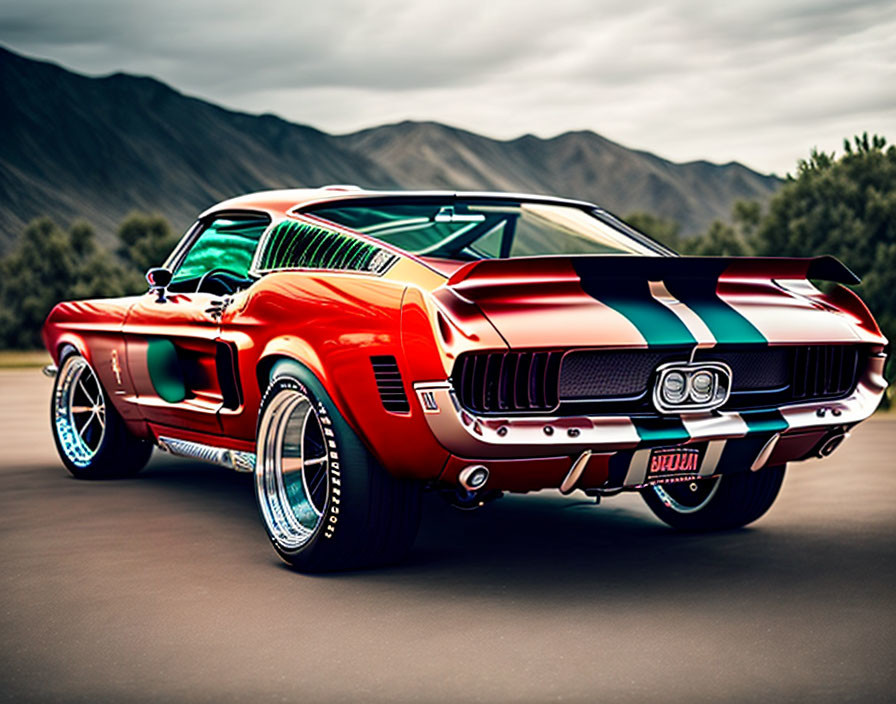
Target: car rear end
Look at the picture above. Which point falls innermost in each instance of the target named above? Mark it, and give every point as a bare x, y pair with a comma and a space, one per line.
615, 373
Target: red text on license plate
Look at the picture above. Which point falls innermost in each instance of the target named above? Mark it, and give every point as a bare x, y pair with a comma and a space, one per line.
674, 461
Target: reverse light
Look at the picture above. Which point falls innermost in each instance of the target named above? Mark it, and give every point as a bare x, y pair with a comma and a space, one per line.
691, 387
675, 387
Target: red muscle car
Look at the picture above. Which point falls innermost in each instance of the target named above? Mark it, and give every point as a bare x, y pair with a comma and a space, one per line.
354, 348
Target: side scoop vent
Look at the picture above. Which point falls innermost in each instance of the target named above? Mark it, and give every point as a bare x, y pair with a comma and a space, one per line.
390, 385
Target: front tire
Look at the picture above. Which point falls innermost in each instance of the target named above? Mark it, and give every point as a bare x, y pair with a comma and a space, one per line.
716, 503
91, 437
325, 502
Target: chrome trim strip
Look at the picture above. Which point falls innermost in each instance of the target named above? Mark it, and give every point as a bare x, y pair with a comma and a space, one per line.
637, 468
765, 453
483, 437
234, 459
711, 458
575, 473
706, 425
467, 435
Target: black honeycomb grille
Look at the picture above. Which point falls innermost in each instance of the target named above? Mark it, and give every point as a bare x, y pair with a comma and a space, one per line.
610, 373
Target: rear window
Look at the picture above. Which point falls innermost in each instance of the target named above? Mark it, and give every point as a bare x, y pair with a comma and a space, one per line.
483, 229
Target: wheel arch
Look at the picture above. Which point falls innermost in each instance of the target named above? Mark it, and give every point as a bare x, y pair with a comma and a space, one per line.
280, 364
68, 343
301, 362
288, 348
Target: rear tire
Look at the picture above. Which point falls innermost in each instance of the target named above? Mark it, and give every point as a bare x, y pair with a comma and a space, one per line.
91, 437
325, 502
716, 503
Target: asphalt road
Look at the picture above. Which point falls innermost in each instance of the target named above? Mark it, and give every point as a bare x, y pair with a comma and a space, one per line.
164, 588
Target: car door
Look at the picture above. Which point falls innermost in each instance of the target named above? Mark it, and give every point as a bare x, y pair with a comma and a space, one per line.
181, 369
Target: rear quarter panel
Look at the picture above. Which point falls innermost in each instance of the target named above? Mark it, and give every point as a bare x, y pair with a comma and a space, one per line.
332, 323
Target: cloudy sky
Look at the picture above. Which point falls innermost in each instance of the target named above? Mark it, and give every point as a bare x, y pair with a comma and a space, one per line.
757, 81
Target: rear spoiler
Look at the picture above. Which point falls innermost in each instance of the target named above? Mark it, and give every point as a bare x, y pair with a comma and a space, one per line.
488, 272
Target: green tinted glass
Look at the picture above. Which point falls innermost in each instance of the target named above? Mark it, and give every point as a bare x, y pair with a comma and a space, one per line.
483, 228
227, 243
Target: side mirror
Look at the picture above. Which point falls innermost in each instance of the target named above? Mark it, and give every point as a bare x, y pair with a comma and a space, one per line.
159, 278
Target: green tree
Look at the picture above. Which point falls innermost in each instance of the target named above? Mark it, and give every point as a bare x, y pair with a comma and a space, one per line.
843, 206
728, 240
50, 265
747, 216
36, 275
146, 240
720, 240
666, 231
846, 207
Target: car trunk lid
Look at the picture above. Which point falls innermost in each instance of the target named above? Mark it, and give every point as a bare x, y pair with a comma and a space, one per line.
633, 301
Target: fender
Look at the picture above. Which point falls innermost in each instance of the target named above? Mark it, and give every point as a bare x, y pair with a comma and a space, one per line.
289, 352
70, 339
288, 346
281, 365
847, 300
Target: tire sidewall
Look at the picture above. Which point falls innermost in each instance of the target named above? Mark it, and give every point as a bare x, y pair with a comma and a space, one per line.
347, 480
95, 468
741, 498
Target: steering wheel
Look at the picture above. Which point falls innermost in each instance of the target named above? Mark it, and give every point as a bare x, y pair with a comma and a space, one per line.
219, 274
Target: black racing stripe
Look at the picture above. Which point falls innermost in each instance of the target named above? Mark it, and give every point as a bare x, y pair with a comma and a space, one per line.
631, 297
700, 294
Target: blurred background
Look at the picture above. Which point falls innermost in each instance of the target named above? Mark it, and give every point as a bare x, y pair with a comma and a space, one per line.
718, 129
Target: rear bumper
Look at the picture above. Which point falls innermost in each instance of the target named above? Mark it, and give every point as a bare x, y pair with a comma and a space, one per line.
742, 437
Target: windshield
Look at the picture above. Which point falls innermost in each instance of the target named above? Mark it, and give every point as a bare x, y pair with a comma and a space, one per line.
472, 229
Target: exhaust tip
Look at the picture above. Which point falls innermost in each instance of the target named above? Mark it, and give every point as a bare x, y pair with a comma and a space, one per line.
51, 370
832, 443
474, 477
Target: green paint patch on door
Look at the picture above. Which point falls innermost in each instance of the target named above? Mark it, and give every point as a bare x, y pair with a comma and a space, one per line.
165, 371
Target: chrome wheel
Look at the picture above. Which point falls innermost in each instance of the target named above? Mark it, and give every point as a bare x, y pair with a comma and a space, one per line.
79, 411
292, 471
688, 496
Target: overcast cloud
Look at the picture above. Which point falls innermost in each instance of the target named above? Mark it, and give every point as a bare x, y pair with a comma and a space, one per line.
760, 81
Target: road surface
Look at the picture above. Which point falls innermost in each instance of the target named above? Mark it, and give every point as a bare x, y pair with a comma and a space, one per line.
164, 588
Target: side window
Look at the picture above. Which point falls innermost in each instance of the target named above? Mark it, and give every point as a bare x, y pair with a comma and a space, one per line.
227, 243
295, 244
493, 242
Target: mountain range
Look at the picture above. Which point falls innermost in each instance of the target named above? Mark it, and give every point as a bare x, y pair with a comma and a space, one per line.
74, 146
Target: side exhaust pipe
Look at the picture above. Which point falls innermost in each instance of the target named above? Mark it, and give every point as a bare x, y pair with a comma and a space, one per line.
474, 477
470, 492
831, 443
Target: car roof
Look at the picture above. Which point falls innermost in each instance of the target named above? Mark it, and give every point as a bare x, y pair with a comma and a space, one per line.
283, 201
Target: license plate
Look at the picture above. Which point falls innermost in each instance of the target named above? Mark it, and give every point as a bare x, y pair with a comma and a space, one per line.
672, 462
